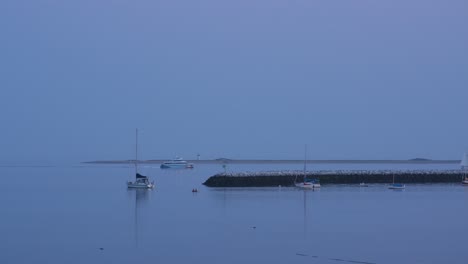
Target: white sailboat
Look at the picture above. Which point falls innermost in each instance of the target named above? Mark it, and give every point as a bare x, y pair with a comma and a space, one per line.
141, 181
396, 186
464, 167
307, 183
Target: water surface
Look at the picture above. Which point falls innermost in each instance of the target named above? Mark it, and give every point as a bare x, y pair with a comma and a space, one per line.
66, 214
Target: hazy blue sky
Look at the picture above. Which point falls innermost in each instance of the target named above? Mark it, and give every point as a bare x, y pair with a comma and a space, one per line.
354, 79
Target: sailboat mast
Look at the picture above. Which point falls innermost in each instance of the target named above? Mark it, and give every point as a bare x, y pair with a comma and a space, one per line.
305, 160
136, 151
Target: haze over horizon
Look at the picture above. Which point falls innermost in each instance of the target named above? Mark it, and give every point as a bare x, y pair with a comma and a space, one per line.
239, 79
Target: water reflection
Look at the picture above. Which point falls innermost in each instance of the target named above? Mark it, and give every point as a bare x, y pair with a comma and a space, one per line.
305, 213
140, 197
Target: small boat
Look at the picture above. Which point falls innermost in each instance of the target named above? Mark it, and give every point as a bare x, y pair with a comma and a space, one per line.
307, 183
362, 184
464, 167
140, 180
396, 186
177, 163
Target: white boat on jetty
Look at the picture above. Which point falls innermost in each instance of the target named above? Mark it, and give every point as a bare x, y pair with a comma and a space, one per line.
140, 180
176, 163
464, 167
307, 183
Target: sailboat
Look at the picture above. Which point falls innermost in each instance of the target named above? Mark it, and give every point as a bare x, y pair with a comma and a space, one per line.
464, 167
396, 186
141, 181
307, 183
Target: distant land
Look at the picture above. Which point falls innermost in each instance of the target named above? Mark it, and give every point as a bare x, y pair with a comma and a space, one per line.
265, 161
419, 159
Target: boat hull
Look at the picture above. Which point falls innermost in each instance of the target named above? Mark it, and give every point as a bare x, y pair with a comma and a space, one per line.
397, 187
307, 186
140, 186
177, 166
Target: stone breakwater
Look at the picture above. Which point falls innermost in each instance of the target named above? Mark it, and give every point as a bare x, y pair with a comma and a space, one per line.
286, 178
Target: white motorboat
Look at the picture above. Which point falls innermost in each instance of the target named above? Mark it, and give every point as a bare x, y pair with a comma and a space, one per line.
177, 163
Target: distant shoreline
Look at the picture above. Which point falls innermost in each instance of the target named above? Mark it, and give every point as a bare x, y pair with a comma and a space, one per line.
261, 161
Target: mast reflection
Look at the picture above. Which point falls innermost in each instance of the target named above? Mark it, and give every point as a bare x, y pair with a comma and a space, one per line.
140, 197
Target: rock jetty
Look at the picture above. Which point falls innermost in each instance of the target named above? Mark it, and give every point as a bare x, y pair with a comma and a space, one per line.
286, 178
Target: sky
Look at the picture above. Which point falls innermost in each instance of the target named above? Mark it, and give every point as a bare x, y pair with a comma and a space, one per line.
352, 79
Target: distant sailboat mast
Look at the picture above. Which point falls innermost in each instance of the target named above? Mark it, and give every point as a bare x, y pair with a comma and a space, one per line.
464, 167
136, 151
305, 161
464, 162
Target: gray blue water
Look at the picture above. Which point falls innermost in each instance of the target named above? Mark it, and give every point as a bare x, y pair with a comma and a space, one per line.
85, 214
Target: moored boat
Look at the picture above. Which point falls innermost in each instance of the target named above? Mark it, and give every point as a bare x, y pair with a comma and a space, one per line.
141, 181
177, 163
307, 183
396, 186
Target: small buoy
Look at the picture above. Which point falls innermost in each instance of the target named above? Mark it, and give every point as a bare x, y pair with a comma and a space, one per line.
194, 190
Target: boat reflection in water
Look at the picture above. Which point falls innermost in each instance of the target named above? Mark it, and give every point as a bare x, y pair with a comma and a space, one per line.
305, 213
140, 197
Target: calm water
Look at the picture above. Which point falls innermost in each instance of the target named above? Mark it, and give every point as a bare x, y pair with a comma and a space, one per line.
65, 214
